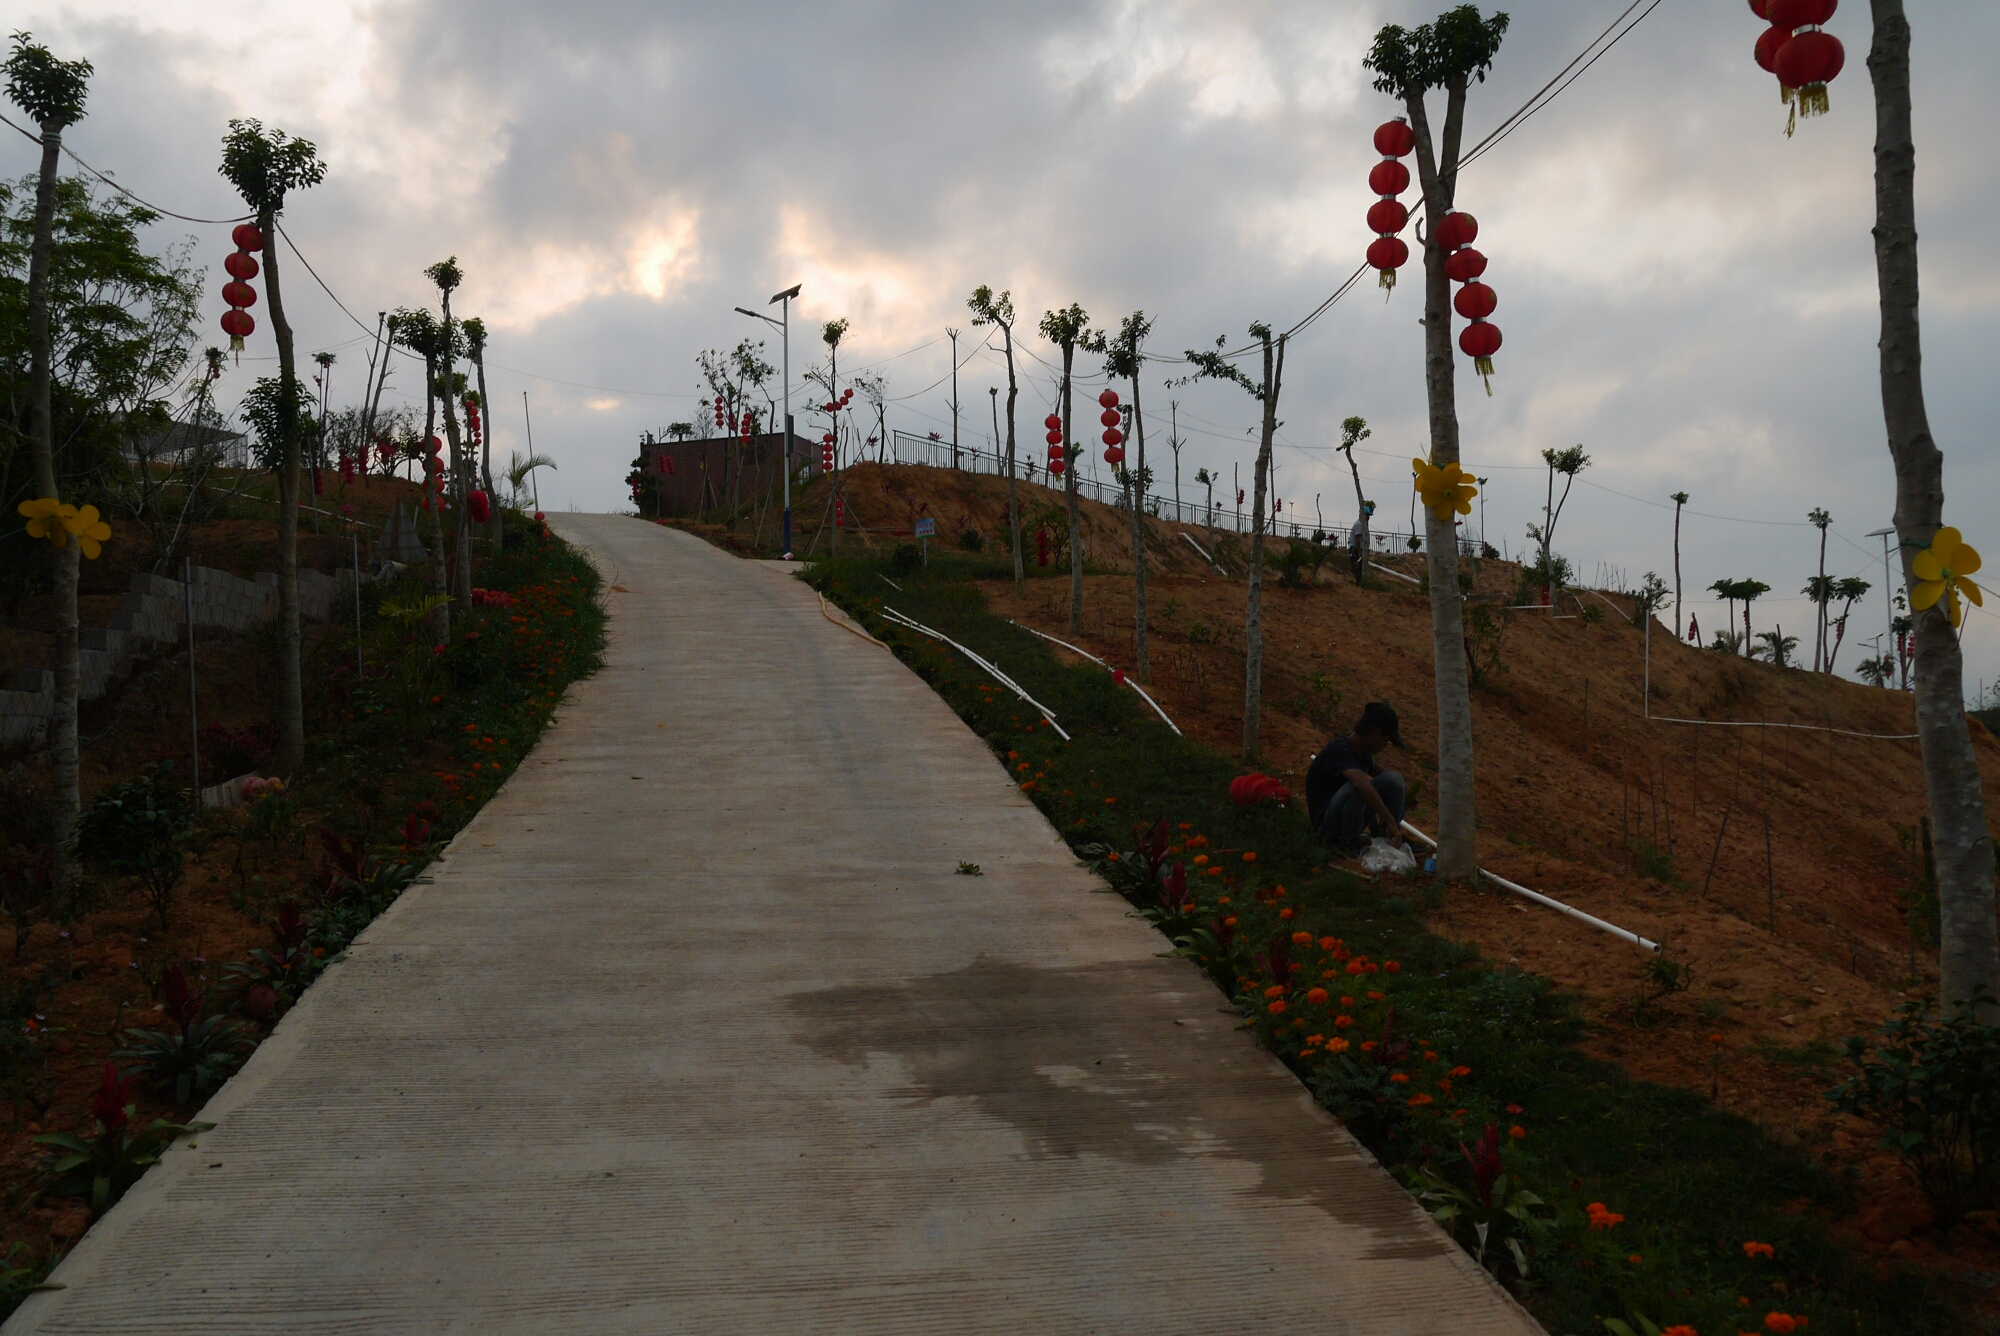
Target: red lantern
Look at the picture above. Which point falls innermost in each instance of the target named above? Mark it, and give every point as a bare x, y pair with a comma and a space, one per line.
1055, 439
1387, 217
1113, 455
1796, 14
1052, 422
346, 468
1057, 466
1757, 8
1113, 436
538, 517
1110, 417
1809, 62
481, 507
1388, 254
239, 294
1041, 547
247, 237
1389, 177
1108, 399
1457, 229
238, 325
1475, 301
1464, 264
241, 265
1480, 341
1394, 139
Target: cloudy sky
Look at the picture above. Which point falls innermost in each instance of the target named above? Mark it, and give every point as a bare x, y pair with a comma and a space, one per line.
1683, 290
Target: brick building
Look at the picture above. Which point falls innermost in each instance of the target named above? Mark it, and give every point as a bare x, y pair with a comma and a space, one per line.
684, 478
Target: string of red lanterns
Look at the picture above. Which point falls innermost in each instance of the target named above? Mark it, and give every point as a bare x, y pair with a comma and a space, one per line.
1058, 456
1804, 59
1387, 216
241, 267
1479, 340
1111, 419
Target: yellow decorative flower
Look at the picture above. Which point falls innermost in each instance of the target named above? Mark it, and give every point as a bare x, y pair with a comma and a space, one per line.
48, 518
1941, 570
1444, 490
89, 531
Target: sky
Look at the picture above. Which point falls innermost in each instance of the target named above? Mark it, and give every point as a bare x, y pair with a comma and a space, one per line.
1683, 290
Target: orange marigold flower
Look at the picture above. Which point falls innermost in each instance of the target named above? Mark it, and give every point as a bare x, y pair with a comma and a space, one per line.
1215, 872
1301, 938
1022, 768
1275, 990
1337, 1045
1753, 1250
1514, 1108
1461, 1071
1346, 1001
1374, 997
1223, 901
1418, 1101
1391, 966
1229, 922
1354, 967
1328, 943
1445, 1086
1342, 1022
1368, 1046
1372, 968
1784, 1324
1187, 825
1679, 1329
1400, 1078
1635, 1259
1313, 1039
1201, 860
1600, 1218
1276, 1008
1316, 996
1519, 1132
1715, 1039
1249, 857
1285, 914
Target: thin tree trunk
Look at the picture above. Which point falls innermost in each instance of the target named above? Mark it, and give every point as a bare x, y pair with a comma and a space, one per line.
461, 469
494, 527
1361, 511
1253, 610
1069, 493
64, 756
1968, 955
1458, 851
291, 684
371, 393
1144, 666
1819, 632
1013, 499
1680, 627
440, 584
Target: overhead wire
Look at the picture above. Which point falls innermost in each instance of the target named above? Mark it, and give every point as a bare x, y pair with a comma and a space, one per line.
73, 156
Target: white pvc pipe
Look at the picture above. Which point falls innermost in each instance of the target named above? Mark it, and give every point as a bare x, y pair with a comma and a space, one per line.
1381, 569
1205, 557
1557, 905
993, 671
1102, 664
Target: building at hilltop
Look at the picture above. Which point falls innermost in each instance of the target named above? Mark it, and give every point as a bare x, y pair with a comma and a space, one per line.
680, 479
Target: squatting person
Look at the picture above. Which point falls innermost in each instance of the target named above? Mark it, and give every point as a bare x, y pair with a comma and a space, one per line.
1347, 794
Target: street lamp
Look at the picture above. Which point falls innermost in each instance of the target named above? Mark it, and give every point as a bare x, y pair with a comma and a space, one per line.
785, 328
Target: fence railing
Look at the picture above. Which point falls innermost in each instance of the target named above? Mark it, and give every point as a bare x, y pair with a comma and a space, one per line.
905, 448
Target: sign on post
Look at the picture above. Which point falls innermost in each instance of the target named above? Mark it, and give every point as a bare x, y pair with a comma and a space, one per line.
926, 528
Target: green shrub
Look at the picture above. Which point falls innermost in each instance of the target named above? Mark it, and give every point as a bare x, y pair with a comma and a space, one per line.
140, 829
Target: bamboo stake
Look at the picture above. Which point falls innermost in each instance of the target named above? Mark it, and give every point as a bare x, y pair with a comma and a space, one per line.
1720, 832
1770, 877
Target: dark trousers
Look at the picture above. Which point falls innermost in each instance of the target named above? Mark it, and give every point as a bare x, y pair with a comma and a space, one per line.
1348, 814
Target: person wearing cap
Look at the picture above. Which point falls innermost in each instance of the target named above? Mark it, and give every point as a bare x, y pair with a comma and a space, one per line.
1347, 794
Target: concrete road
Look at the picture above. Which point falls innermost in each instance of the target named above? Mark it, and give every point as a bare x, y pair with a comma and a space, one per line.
694, 1029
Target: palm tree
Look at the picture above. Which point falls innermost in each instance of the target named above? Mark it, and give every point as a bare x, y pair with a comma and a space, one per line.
1448, 54
1819, 590
1748, 592
1778, 647
1848, 589
1069, 329
990, 310
1124, 358
265, 167
1680, 627
52, 93
520, 468
1725, 589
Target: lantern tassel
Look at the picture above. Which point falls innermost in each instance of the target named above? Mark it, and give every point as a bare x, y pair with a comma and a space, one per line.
1483, 366
1812, 100
1387, 280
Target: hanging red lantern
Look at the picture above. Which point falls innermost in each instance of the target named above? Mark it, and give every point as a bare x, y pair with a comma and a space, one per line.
1108, 399
1041, 547
1057, 467
1475, 301
1766, 50
346, 467
1480, 341
1464, 264
481, 507
1052, 422
1394, 139
238, 325
1055, 439
1457, 229
1113, 455
1757, 8
1113, 436
240, 264
1387, 216
1389, 254
1111, 417
239, 294
1389, 177
1796, 14
1809, 62
247, 237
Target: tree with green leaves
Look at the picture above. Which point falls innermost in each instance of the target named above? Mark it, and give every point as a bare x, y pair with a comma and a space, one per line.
1214, 364
988, 309
1725, 589
421, 332
1448, 54
831, 334
1353, 431
447, 276
1746, 593
475, 349
265, 167
1568, 463
1820, 520
1069, 329
1680, 627
1848, 589
1125, 356
52, 92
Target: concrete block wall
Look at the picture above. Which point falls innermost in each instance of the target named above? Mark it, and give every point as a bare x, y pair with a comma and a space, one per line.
155, 611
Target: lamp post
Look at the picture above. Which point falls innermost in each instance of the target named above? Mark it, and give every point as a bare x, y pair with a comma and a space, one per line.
785, 329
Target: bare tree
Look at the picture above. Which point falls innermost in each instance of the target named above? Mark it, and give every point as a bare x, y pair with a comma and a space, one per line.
475, 346
1448, 54
1216, 365
988, 309
1125, 357
1353, 431
265, 167
1680, 627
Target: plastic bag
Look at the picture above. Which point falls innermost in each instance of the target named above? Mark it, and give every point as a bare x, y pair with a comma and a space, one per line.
1382, 857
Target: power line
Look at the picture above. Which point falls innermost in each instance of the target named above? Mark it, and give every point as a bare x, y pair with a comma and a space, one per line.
72, 155
1537, 102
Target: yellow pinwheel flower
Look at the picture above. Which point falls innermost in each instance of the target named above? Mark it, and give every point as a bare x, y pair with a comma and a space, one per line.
90, 532
48, 518
1941, 570
1444, 490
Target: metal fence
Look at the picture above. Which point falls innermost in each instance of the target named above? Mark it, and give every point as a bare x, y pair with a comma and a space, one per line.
905, 448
